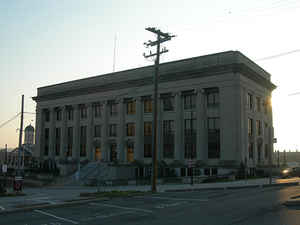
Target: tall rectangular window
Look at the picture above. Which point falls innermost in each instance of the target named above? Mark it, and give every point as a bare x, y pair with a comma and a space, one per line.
148, 150
130, 128
47, 115
212, 96
189, 101
130, 152
250, 101
83, 112
258, 127
112, 130
250, 127
46, 146
70, 113
213, 137
258, 104
83, 139
168, 103
57, 140
189, 127
131, 107
250, 149
190, 138
148, 128
266, 151
97, 131
97, 108
267, 104
58, 115
168, 127
168, 139
147, 139
147, 106
113, 108
113, 152
259, 153
69, 141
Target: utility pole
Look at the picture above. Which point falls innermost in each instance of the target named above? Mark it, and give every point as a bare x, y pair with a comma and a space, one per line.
5, 163
278, 163
5, 157
161, 37
20, 136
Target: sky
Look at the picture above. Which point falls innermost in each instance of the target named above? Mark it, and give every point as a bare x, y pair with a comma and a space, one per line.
53, 41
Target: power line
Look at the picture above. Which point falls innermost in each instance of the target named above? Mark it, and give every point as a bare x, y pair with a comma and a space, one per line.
278, 55
3, 124
30, 113
295, 93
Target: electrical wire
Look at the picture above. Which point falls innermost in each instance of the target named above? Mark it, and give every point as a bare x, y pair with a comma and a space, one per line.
278, 55
13, 118
30, 113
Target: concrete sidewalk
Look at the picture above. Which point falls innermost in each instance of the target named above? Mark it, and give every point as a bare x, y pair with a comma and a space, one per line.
64, 195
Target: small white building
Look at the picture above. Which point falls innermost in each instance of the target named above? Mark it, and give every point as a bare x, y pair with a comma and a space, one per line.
213, 109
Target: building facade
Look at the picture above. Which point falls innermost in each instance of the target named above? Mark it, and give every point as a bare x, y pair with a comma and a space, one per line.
213, 109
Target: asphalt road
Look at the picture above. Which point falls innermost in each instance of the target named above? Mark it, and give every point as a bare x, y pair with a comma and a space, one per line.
229, 207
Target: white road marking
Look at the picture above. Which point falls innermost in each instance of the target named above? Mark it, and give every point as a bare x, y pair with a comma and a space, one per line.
42, 199
183, 199
103, 216
57, 217
162, 206
2, 208
121, 207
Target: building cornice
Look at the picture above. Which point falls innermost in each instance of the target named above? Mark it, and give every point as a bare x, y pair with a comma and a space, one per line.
165, 76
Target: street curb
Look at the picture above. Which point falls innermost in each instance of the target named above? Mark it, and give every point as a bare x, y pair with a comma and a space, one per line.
49, 206
281, 184
235, 187
244, 186
194, 189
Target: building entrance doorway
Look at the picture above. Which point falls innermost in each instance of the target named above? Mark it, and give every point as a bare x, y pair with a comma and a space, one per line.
98, 155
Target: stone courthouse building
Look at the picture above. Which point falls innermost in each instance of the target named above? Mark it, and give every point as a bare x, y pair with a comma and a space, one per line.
214, 109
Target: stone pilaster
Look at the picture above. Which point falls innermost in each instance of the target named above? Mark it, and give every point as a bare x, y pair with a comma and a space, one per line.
121, 129
203, 129
64, 135
139, 134
254, 142
52, 134
179, 149
76, 139
245, 130
90, 133
104, 143
199, 124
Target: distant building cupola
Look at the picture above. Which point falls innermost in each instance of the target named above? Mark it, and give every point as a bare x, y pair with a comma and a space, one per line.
29, 135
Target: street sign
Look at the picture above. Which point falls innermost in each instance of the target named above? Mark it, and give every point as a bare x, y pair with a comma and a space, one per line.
4, 168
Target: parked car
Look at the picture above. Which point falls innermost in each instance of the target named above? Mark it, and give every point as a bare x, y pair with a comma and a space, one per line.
290, 172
